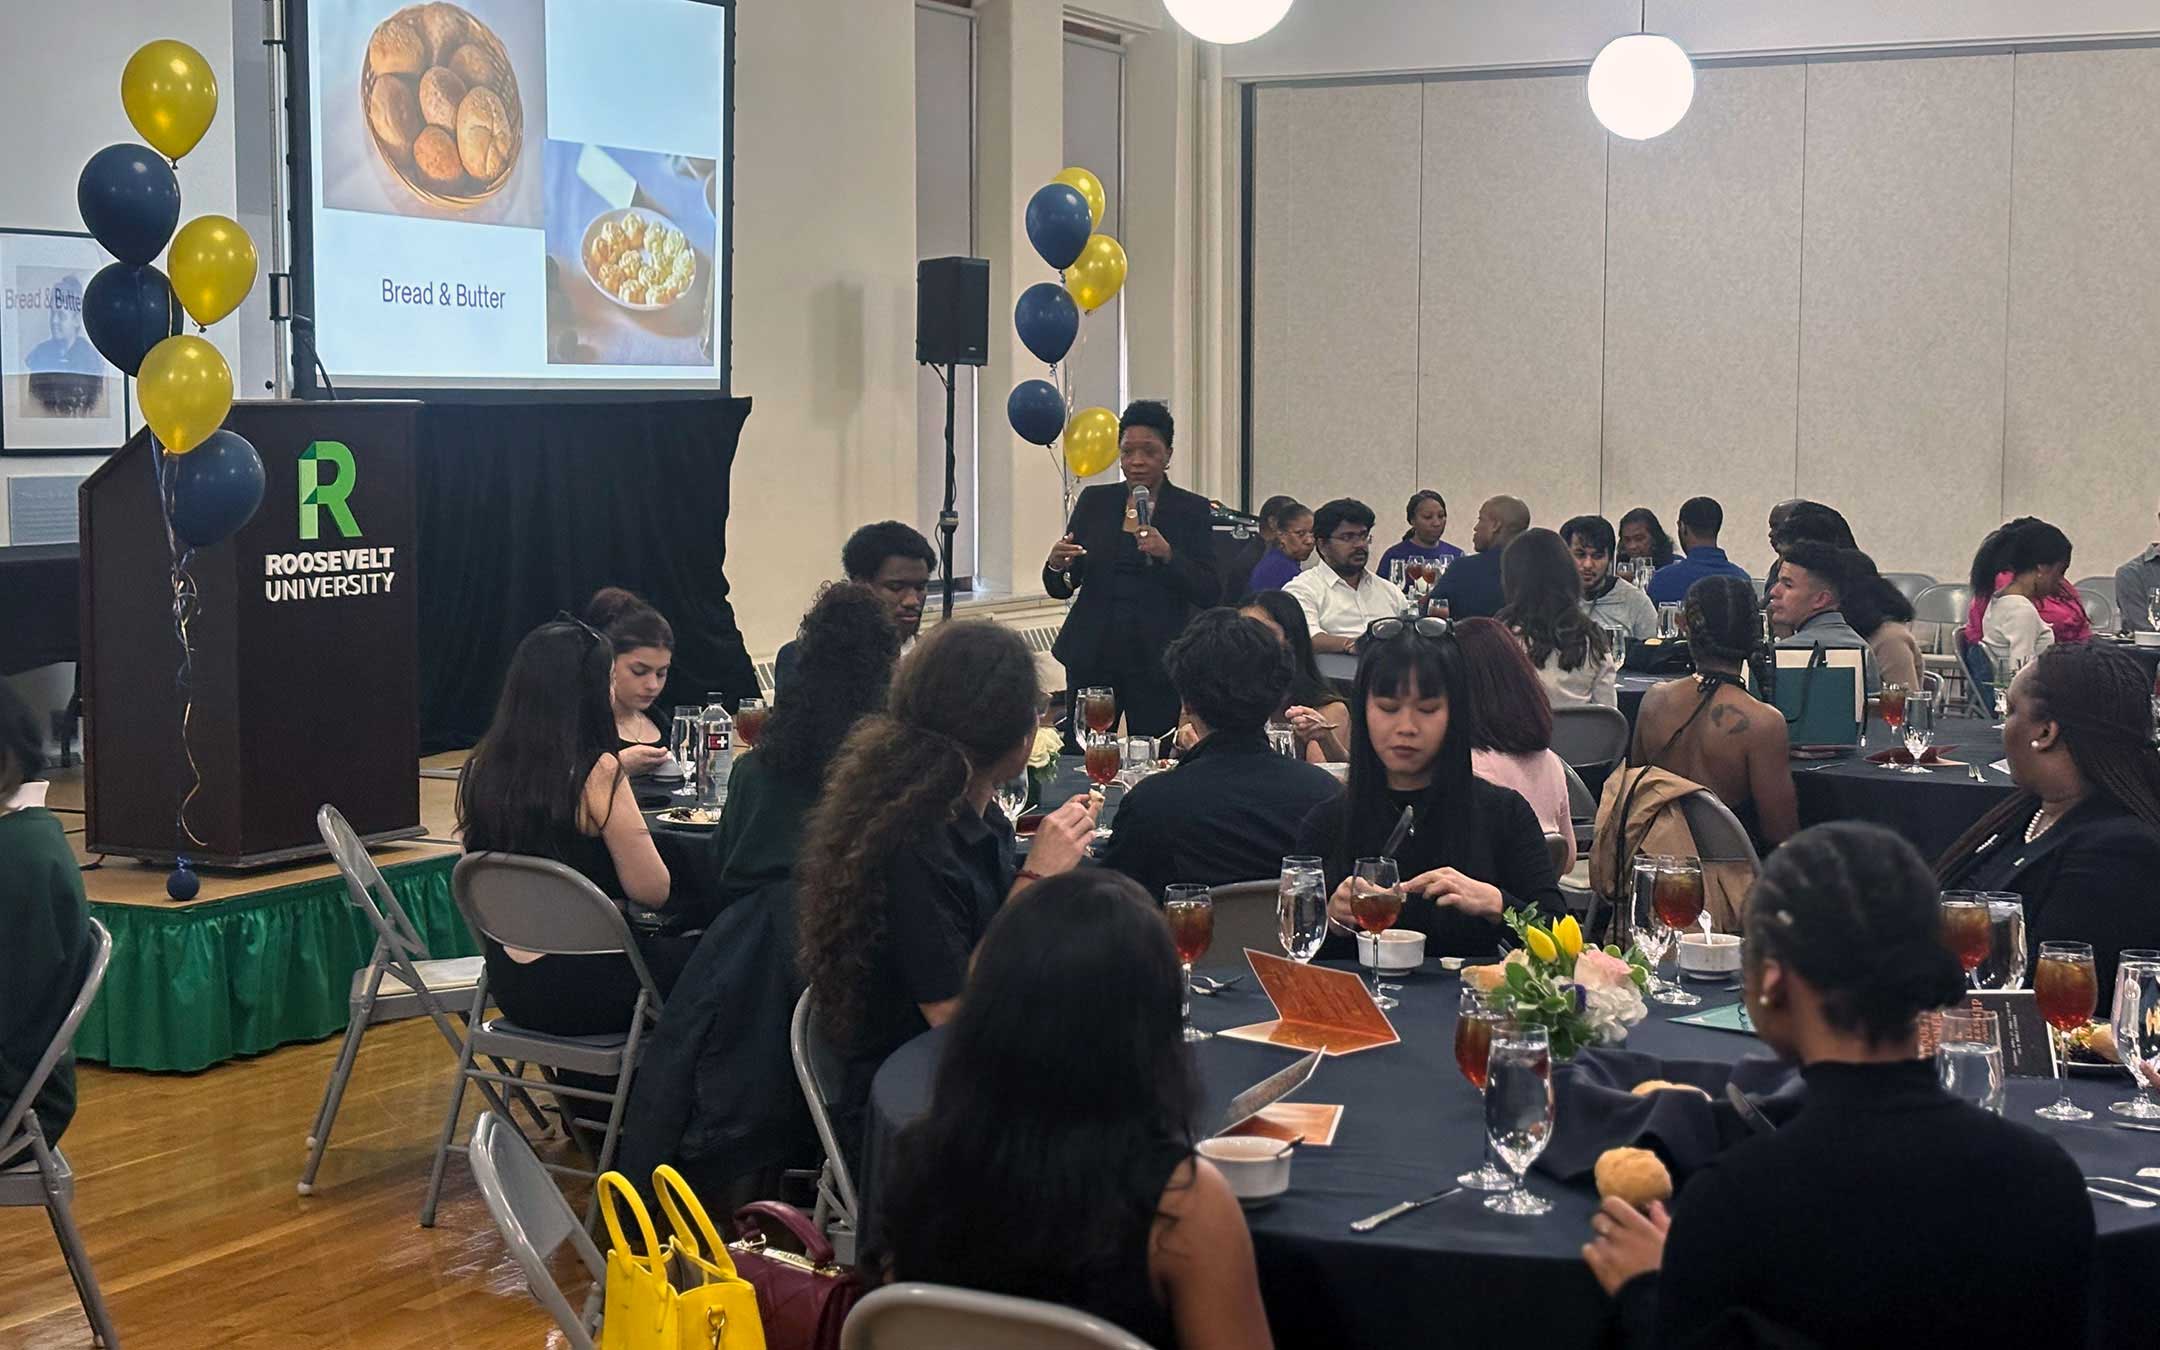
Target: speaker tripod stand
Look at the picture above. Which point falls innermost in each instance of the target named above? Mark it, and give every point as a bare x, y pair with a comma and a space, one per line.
948, 521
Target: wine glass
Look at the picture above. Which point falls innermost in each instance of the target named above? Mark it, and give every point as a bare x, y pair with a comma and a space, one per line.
1098, 707
750, 721
1616, 640
1375, 901
2004, 967
1518, 1110
1191, 914
2152, 606
1676, 902
1967, 931
2137, 1029
1395, 572
1011, 797
1441, 565
1642, 917
684, 738
1668, 621
2065, 988
1919, 729
1282, 737
1968, 1058
1301, 907
1890, 706
1474, 1023
2004, 671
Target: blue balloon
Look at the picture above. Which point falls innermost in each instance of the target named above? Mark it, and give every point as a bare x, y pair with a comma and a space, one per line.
216, 488
129, 200
1058, 224
1036, 410
127, 311
1048, 320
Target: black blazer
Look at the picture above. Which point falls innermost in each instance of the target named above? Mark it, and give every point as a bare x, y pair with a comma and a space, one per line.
1171, 592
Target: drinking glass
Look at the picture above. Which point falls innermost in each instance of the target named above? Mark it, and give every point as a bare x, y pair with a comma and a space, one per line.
2152, 606
1616, 640
1642, 917
1104, 757
1968, 1058
2004, 672
2137, 1029
1440, 566
1967, 931
1676, 902
1474, 1023
1395, 573
1375, 901
750, 721
1668, 621
1011, 797
1098, 708
1919, 729
1191, 914
684, 739
2005, 964
1139, 760
2066, 989
1518, 1110
1282, 738
1301, 907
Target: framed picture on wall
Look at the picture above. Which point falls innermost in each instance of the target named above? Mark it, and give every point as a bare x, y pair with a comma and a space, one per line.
57, 394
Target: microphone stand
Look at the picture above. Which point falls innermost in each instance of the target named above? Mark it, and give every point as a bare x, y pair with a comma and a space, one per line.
948, 522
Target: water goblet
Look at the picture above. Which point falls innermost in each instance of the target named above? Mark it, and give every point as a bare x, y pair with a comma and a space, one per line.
1519, 1110
1676, 902
2066, 988
2137, 1029
1301, 907
1474, 1023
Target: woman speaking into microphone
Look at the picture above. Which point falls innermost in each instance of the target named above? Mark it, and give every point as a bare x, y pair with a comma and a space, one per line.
1141, 557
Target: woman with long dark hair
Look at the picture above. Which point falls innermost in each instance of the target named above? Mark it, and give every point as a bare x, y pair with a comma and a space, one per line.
1475, 848
1843, 955
1642, 535
2081, 838
2034, 563
1511, 743
905, 861
545, 781
644, 647
1879, 612
2019, 545
1064, 1079
1319, 715
1545, 609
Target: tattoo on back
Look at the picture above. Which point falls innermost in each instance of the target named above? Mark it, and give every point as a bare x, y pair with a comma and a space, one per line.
1730, 719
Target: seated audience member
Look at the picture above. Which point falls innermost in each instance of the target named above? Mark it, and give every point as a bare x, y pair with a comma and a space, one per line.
1476, 847
1544, 609
1065, 1079
2013, 628
1610, 600
1232, 809
847, 647
1642, 535
1471, 586
896, 563
1804, 520
1879, 612
1237, 565
1701, 518
2137, 589
1807, 602
1281, 564
1341, 597
1320, 716
545, 781
644, 647
47, 921
1825, 1229
1512, 742
1996, 564
1708, 729
905, 862
1427, 514
2081, 839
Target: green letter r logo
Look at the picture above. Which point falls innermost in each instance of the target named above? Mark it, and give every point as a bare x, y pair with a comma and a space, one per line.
316, 495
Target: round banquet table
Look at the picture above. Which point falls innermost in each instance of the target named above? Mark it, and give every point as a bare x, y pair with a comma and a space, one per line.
1454, 1272
1931, 810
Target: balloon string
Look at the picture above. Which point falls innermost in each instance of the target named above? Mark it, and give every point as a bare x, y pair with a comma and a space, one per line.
185, 597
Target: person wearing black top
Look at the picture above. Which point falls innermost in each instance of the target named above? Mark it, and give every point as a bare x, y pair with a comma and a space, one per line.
1138, 580
1475, 849
1237, 565
1854, 1223
1232, 809
644, 647
1471, 585
895, 562
2081, 841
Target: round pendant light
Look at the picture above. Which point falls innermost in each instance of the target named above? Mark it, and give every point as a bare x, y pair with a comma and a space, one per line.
1641, 85
1227, 21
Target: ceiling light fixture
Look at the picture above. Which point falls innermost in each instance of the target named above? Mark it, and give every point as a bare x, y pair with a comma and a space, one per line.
1227, 22
1640, 86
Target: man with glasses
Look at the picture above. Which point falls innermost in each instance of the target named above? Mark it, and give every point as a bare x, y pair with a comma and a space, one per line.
1472, 586
1342, 596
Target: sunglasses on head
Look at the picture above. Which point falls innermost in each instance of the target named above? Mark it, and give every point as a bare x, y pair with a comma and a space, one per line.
1381, 630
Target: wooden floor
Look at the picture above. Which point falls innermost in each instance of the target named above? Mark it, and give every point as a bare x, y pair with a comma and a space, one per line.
185, 1194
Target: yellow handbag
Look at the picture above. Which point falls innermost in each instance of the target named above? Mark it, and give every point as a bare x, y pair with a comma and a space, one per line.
718, 1308
642, 1309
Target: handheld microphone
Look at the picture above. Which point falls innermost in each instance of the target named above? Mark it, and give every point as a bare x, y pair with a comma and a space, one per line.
1143, 508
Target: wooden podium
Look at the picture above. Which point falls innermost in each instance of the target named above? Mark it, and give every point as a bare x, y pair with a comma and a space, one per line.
305, 681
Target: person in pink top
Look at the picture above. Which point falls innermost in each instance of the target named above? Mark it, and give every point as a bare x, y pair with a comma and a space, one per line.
1511, 741
1992, 569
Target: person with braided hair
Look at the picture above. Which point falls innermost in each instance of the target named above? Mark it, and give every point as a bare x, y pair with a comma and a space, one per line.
2081, 840
1852, 1224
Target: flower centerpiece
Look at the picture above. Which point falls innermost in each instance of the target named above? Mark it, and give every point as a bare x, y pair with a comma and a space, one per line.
1042, 762
1581, 995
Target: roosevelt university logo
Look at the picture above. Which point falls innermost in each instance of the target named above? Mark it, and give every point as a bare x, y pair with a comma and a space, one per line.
326, 480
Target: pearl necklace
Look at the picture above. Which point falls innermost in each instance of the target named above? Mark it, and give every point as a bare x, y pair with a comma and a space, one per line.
2040, 824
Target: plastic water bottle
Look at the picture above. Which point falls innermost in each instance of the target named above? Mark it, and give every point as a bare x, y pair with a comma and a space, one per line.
717, 731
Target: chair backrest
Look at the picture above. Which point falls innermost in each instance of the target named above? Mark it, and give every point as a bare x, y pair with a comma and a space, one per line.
821, 1075
1910, 584
1556, 852
1581, 805
542, 906
1719, 835
2099, 608
533, 1217
1943, 604
366, 888
1587, 734
939, 1317
12, 1129
2101, 583
1245, 915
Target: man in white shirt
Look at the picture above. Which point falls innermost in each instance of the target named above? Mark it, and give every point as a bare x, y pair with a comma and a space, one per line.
1340, 597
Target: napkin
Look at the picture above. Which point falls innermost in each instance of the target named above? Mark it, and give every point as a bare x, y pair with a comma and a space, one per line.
1899, 755
1594, 1109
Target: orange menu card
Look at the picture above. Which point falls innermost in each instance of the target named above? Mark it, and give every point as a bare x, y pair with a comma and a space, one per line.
1316, 1008
1310, 1122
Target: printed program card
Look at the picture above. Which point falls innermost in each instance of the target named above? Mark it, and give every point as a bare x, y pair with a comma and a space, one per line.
1316, 1008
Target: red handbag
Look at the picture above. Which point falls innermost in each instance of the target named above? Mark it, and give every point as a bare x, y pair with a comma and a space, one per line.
802, 1297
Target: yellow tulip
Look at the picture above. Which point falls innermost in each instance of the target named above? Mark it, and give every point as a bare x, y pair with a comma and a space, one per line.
1568, 934
1541, 943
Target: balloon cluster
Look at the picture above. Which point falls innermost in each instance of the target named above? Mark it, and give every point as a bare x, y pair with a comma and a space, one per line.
1061, 223
129, 196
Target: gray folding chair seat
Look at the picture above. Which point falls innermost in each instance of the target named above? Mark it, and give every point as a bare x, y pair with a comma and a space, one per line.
534, 1220
821, 1076
396, 1000
939, 1317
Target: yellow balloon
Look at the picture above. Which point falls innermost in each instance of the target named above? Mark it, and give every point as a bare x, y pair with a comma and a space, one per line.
1098, 274
185, 389
170, 94
1088, 186
212, 266
1091, 442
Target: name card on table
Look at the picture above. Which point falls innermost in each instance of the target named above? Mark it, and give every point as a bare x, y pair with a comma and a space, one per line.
2028, 1050
1316, 1008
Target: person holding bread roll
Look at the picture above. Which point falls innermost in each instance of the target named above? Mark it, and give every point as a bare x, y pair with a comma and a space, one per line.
1854, 1223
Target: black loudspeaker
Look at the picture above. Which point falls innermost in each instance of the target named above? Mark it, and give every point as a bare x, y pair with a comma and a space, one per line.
952, 312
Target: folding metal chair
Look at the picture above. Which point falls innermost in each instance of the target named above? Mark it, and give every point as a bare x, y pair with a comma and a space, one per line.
542, 906
1589, 734
1581, 808
534, 1220
1938, 614
1910, 584
939, 1317
1245, 915
2100, 606
820, 1074
44, 1178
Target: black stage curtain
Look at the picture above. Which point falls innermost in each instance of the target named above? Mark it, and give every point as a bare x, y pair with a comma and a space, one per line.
526, 510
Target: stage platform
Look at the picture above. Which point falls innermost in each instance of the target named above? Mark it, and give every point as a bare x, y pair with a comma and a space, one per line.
257, 959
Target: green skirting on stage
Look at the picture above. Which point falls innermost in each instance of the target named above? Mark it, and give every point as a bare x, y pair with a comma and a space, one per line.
193, 987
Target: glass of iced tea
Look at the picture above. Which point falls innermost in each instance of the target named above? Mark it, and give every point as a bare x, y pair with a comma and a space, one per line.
1967, 930
1190, 913
1890, 706
1676, 902
1105, 755
2067, 990
1375, 903
750, 721
1098, 708
1474, 1023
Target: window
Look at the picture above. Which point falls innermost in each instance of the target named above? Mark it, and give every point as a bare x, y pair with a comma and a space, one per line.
1095, 141
945, 227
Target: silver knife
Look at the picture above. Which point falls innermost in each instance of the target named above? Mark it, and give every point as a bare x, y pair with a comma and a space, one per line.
2120, 1199
1367, 1224
2133, 1125
2133, 1185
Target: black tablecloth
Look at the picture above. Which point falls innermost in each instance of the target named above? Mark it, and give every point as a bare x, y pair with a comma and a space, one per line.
1455, 1273
39, 619
2149, 655
1931, 811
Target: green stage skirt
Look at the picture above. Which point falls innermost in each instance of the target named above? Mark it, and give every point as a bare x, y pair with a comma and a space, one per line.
193, 987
